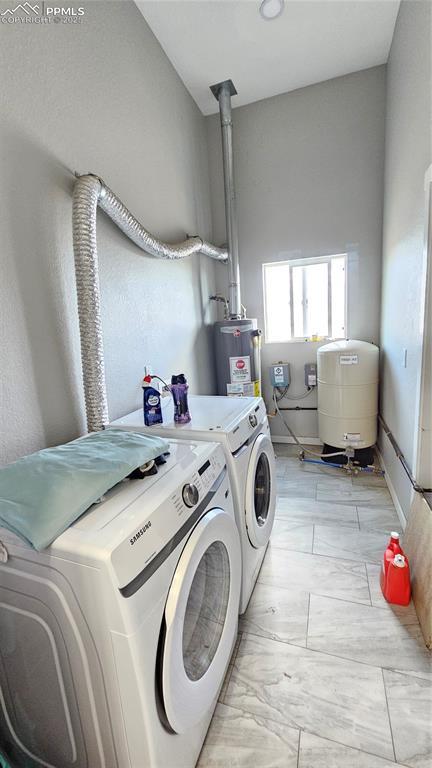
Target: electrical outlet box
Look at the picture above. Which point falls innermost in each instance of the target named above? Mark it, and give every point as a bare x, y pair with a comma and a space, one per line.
280, 375
310, 370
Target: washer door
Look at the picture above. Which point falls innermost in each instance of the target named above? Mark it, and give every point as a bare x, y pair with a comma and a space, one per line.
260, 498
201, 616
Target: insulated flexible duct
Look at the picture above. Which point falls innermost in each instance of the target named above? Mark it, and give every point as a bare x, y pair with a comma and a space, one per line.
89, 192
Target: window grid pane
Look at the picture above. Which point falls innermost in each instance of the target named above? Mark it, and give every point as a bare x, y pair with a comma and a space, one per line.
316, 300
338, 299
303, 300
277, 302
298, 301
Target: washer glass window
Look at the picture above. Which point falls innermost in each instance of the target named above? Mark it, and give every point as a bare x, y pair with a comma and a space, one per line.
262, 489
206, 610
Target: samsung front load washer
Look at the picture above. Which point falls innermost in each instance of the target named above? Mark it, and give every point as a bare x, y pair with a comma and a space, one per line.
115, 640
241, 426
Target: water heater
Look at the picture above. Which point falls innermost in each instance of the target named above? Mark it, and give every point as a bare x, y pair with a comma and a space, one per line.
237, 349
348, 394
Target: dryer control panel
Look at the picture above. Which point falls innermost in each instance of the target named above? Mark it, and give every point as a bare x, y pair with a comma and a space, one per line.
254, 417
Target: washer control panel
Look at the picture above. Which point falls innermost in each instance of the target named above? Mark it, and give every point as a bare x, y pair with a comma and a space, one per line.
198, 483
151, 529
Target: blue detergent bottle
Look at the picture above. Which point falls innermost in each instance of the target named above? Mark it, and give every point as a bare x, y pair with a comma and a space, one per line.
151, 403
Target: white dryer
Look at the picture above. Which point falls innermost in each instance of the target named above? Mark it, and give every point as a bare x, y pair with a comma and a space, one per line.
115, 640
241, 426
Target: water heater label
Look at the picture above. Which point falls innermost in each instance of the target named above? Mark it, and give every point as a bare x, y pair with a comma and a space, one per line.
236, 331
353, 437
348, 359
241, 390
240, 368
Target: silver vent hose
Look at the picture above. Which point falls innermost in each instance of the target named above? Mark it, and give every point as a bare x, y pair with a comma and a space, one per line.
89, 193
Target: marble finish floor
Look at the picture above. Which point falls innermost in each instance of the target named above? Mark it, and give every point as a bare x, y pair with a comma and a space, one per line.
325, 674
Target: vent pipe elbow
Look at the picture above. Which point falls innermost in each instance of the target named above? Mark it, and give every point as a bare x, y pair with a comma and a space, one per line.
89, 193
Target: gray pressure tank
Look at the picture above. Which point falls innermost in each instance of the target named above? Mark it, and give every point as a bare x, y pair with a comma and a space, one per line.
237, 351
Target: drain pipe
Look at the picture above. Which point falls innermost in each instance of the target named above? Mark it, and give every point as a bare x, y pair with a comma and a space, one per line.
223, 92
389, 434
89, 193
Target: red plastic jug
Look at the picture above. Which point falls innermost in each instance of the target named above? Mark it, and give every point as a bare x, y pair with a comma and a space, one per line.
393, 548
398, 584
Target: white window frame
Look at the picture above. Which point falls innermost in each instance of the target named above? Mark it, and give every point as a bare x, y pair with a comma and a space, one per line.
303, 263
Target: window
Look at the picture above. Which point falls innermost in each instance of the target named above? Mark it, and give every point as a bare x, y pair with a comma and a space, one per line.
305, 298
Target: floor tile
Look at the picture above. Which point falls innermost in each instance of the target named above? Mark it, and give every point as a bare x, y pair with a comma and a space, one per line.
286, 449
380, 519
280, 467
310, 511
298, 487
332, 697
321, 469
316, 752
410, 707
292, 535
333, 690
369, 478
377, 598
277, 613
303, 572
360, 496
363, 545
336, 484
369, 635
238, 739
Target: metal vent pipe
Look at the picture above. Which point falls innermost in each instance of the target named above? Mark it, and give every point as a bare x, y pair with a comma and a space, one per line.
223, 92
89, 193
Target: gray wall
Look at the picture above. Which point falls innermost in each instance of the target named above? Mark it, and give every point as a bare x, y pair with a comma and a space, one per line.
101, 97
408, 155
309, 178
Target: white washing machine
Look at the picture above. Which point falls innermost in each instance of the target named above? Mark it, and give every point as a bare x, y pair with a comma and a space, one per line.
115, 640
241, 426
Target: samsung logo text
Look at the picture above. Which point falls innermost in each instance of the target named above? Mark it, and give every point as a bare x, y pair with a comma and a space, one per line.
139, 533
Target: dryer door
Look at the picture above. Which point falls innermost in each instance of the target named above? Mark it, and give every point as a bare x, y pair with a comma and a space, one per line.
201, 617
260, 496
53, 708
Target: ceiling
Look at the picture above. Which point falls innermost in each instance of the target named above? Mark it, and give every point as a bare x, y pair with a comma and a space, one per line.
209, 41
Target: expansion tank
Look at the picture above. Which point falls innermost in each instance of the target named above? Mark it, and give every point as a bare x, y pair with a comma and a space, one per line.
348, 394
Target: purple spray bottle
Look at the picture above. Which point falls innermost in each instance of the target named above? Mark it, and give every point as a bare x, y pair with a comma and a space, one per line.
179, 389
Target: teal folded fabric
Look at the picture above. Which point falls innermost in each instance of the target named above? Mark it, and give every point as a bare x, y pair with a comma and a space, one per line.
41, 495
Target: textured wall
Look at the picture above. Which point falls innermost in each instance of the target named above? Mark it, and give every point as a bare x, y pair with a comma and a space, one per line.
408, 155
309, 178
101, 97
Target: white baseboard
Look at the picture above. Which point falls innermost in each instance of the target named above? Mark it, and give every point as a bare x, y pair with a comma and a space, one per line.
303, 440
393, 494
